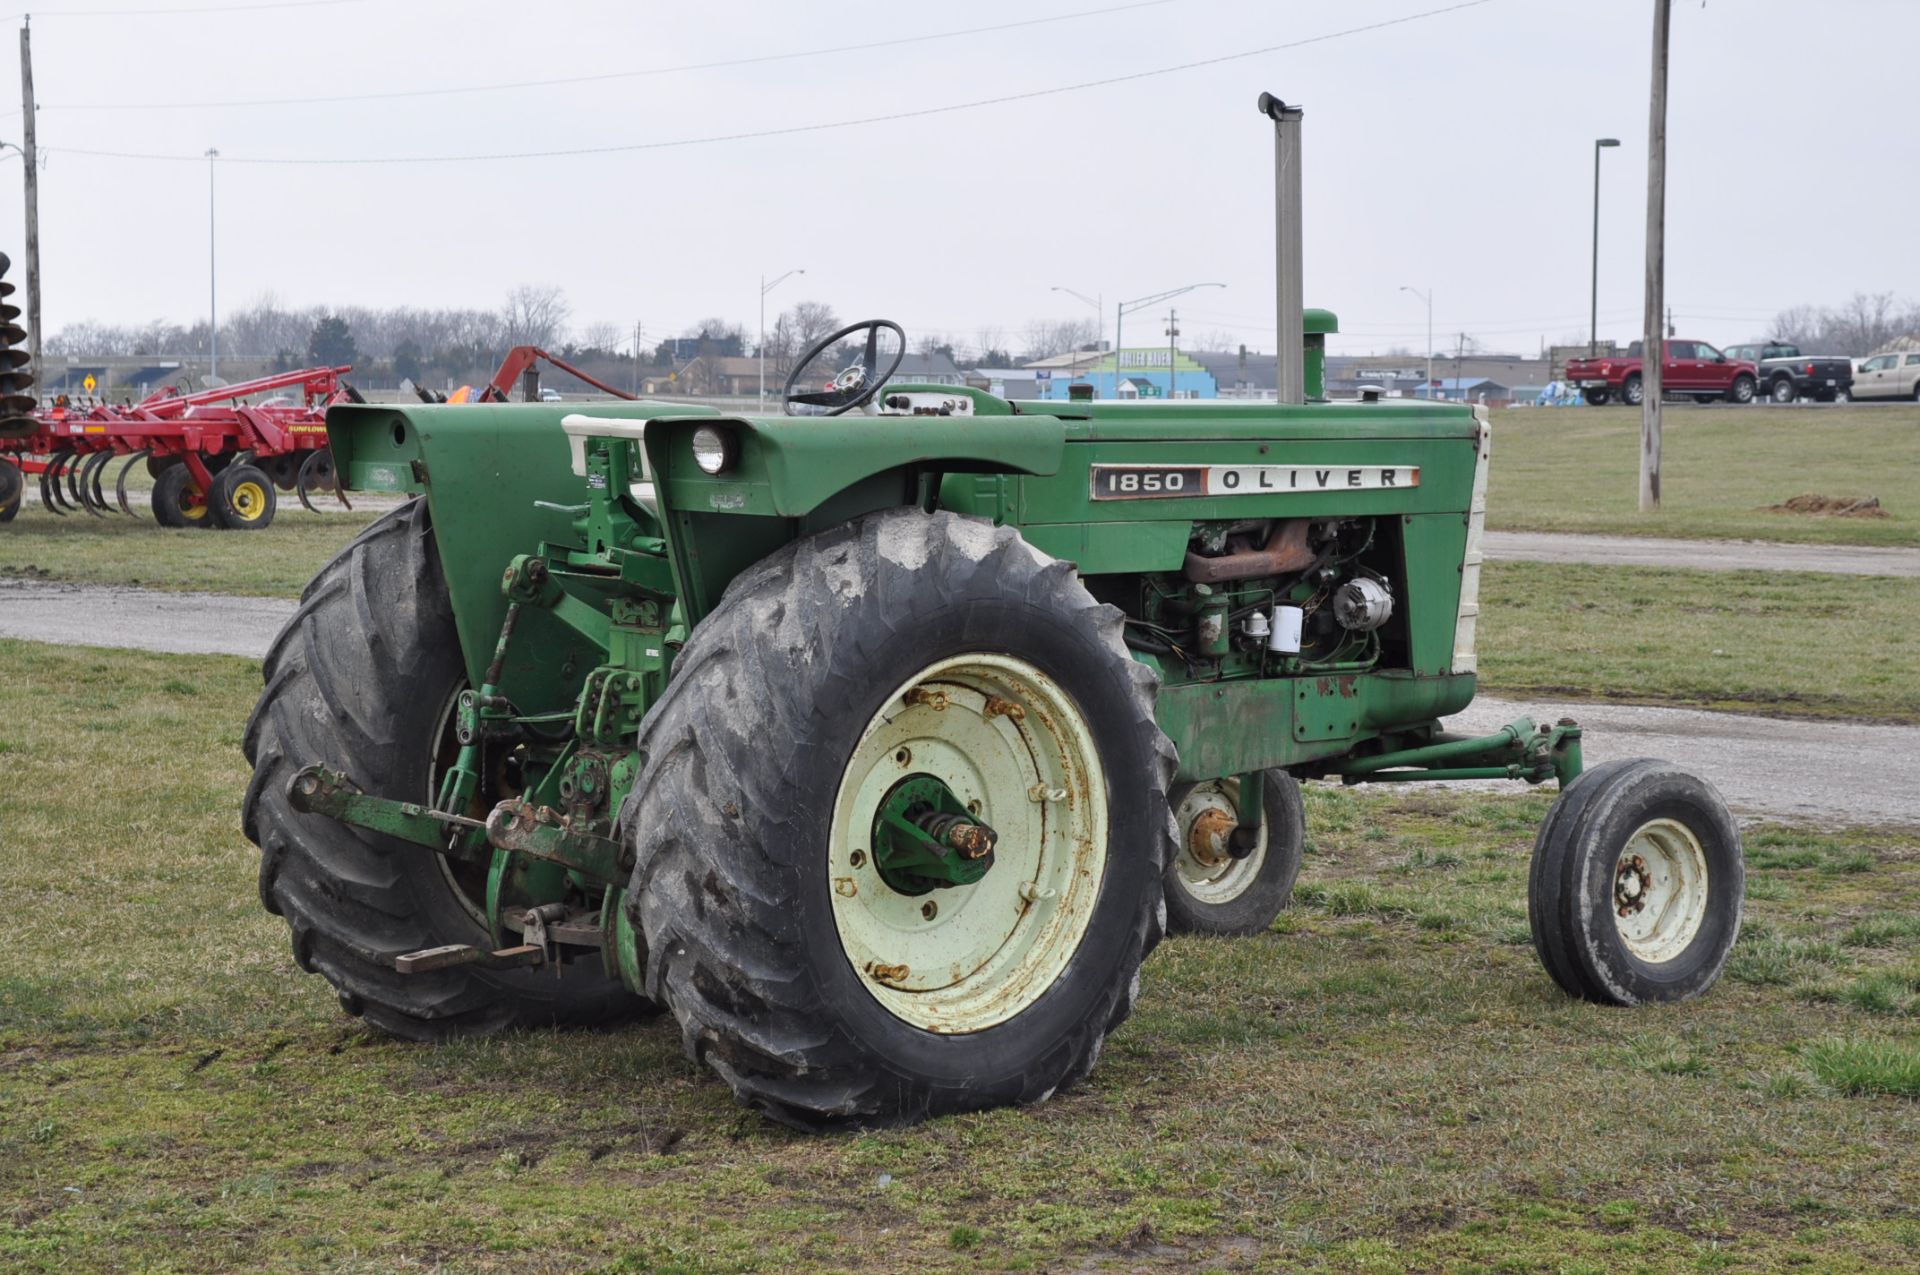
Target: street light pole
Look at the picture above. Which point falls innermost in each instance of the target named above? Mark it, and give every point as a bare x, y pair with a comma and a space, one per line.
1593, 324
213, 295
1099, 317
1122, 309
1427, 297
765, 288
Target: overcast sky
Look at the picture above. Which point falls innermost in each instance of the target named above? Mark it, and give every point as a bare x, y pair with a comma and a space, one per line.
1452, 152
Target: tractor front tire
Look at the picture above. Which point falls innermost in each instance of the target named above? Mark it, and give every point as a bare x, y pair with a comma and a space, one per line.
361, 679
900, 646
1209, 891
1636, 885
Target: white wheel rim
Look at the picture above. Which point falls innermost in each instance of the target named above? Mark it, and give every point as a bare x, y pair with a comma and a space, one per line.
1207, 872
992, 948
1660, 890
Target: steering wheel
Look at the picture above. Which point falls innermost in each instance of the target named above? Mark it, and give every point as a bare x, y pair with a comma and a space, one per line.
854, 385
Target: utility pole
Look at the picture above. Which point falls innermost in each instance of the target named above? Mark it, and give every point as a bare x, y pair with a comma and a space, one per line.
1653, 351
1459, 353
1173, 354
213, 295
636, 356
30, 157
1593, 322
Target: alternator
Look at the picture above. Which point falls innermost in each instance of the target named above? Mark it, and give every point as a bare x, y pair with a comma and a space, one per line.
1362, 604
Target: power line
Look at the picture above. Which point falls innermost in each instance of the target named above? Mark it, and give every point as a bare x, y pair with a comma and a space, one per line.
191, 9
643, 72
629, 147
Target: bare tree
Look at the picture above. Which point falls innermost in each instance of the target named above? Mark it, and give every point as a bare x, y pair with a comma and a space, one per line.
1044, 338
536, 315
602, 337
1866, 322
1216, 341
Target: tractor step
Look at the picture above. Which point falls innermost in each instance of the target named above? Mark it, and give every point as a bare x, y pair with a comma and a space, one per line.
439, 958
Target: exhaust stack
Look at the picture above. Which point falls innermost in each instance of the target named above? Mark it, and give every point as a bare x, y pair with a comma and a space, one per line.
1289, 257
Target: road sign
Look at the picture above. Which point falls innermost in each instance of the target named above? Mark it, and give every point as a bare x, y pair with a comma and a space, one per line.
1043, 374
89, 383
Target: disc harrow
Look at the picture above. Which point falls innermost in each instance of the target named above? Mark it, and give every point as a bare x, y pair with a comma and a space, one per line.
67, 449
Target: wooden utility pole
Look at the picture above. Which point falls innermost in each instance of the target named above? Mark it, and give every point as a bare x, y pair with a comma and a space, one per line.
30, 162
1653, 350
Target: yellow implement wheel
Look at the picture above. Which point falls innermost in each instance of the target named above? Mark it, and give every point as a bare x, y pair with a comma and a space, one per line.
243, 498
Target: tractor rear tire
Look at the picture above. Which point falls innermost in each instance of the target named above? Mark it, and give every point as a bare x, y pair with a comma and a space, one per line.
1209, 891
242, 498
899, 644
360, 679
1636, 885
178, 500
13, 486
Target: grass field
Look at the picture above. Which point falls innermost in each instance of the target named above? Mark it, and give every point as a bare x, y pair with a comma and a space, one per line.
275, 562
1384, 1082
1791, 642
1578, 470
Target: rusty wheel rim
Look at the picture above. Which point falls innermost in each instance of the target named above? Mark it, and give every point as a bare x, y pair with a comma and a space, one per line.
1206, 817
1008, 741
1660, 890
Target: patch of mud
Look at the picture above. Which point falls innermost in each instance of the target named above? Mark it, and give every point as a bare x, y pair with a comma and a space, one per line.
1830, 506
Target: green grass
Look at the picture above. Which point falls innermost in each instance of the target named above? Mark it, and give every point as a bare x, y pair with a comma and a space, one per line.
1385, 1082
1835, 646
1578, 470
275, 562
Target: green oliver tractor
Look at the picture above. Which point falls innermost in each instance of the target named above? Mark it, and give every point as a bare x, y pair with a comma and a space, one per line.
880, 741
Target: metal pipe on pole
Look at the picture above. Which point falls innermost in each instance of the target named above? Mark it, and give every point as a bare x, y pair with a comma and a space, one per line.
1289, 254
30, 159
1653, 350
1593, 318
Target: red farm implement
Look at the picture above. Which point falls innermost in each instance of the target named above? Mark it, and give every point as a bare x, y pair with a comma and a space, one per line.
215, 459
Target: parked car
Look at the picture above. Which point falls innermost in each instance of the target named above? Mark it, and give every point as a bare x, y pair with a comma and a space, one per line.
1786, 374
549, 395
1693, 369
1892, 375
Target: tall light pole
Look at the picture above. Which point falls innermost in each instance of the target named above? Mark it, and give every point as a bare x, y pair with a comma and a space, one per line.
213, 295
765, 288
1122, 309
1593, 322
1099, 305
1427, 297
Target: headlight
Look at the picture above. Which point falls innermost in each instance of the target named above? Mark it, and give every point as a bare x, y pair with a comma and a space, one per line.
713, 449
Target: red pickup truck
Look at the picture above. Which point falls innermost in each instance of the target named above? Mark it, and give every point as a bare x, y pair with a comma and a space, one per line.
1693, 369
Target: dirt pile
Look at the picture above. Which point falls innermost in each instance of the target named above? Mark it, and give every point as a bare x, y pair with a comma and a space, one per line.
1830, 506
